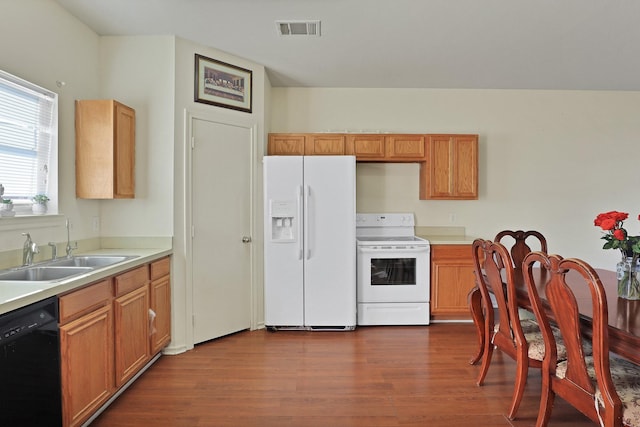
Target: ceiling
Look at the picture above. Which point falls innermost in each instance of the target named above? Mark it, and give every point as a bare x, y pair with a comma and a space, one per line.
466, 44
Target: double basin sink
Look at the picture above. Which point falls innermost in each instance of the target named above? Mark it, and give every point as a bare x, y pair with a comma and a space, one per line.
62, 268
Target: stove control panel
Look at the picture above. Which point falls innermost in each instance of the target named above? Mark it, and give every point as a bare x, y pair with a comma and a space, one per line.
385, 220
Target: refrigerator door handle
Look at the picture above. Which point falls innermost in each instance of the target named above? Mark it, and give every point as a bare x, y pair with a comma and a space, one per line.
300, 236
307, 236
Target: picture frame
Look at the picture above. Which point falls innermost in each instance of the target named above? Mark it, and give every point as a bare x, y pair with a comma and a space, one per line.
223, 85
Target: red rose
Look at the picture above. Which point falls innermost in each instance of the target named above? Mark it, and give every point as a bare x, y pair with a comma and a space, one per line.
621, 216
607, 224
619, 234
608, 220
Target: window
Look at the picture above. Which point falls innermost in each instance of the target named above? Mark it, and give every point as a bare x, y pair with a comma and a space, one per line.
28, 141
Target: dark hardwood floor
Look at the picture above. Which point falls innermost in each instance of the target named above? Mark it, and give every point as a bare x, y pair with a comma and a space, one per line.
373, 376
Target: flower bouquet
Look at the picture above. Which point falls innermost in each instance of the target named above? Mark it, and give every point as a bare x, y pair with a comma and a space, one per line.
617, 237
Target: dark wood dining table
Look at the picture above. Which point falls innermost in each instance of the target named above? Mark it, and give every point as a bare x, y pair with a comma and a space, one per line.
624, 315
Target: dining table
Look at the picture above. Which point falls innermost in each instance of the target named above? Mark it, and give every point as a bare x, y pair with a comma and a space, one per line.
623, 314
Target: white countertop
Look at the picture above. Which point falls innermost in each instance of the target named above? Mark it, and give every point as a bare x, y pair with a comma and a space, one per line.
14, 295
445, 235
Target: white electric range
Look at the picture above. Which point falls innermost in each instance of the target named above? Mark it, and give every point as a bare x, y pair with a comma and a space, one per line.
393, 274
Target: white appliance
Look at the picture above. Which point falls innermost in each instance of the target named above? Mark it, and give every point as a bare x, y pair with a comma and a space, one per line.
309, 242
393, 270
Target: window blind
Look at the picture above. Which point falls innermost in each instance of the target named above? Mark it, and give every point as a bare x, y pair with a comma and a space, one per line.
28, 134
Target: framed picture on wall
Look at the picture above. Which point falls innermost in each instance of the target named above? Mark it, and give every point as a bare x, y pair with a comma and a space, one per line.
221, 84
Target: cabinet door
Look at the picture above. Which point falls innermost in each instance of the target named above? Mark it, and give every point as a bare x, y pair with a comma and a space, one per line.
160, 295
451, 168
451, 280
105, 149
125, 131
131, 320
366, 147
466, 167
324, 144
285, 144
86, 348
407, 148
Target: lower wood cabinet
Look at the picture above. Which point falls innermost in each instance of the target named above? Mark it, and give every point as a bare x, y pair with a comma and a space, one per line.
109, 330
160, 314
86, 349
131, 314
451, 280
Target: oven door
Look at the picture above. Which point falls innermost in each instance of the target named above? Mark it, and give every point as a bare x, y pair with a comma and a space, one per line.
393, 274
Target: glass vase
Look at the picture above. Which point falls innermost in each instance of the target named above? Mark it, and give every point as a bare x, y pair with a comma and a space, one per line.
628, 274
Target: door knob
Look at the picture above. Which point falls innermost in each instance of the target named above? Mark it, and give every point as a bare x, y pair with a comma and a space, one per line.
246, 239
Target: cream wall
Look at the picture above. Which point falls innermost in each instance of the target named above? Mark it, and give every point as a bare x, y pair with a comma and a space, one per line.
139, 72
42, 43
549, 160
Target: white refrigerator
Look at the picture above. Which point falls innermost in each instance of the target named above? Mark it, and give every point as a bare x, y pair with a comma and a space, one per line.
309, 242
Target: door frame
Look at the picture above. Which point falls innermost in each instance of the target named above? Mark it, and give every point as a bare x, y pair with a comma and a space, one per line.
230, 120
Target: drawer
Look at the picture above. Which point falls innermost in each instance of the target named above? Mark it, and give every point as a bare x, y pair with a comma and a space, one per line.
160, 268
85, 300
131, 280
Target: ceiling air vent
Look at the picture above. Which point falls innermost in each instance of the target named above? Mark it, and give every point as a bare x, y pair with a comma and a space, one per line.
298, 28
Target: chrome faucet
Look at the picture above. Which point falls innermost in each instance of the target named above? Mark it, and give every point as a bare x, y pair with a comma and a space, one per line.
70, 248
28, 250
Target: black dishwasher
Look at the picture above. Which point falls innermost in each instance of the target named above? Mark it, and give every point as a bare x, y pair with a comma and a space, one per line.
30, 389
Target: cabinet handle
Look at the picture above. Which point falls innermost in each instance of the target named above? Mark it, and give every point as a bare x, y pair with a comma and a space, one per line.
152, 322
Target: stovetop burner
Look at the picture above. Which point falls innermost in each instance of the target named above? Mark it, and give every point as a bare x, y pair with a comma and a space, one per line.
387, 228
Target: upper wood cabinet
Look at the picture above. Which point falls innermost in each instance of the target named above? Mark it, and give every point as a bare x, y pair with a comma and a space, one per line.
310, 144
448, 163
286, 144
404, 148
366, 147
386, 148
324, 144
451, 169
105, 150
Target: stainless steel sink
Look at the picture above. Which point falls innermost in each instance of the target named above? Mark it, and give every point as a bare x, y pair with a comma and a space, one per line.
93, 261
42, 273
63, 268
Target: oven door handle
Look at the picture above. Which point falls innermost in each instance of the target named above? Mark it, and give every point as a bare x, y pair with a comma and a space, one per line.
415, 249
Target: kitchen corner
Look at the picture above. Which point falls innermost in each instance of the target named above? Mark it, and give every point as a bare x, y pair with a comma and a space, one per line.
451, 272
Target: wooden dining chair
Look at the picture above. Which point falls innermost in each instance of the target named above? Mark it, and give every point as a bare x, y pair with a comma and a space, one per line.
519, 339
517, 241
604, 387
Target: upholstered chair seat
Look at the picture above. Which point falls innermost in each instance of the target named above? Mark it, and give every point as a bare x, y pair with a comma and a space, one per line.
626, 380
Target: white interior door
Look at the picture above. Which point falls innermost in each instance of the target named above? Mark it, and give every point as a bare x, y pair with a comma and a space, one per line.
221, 218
